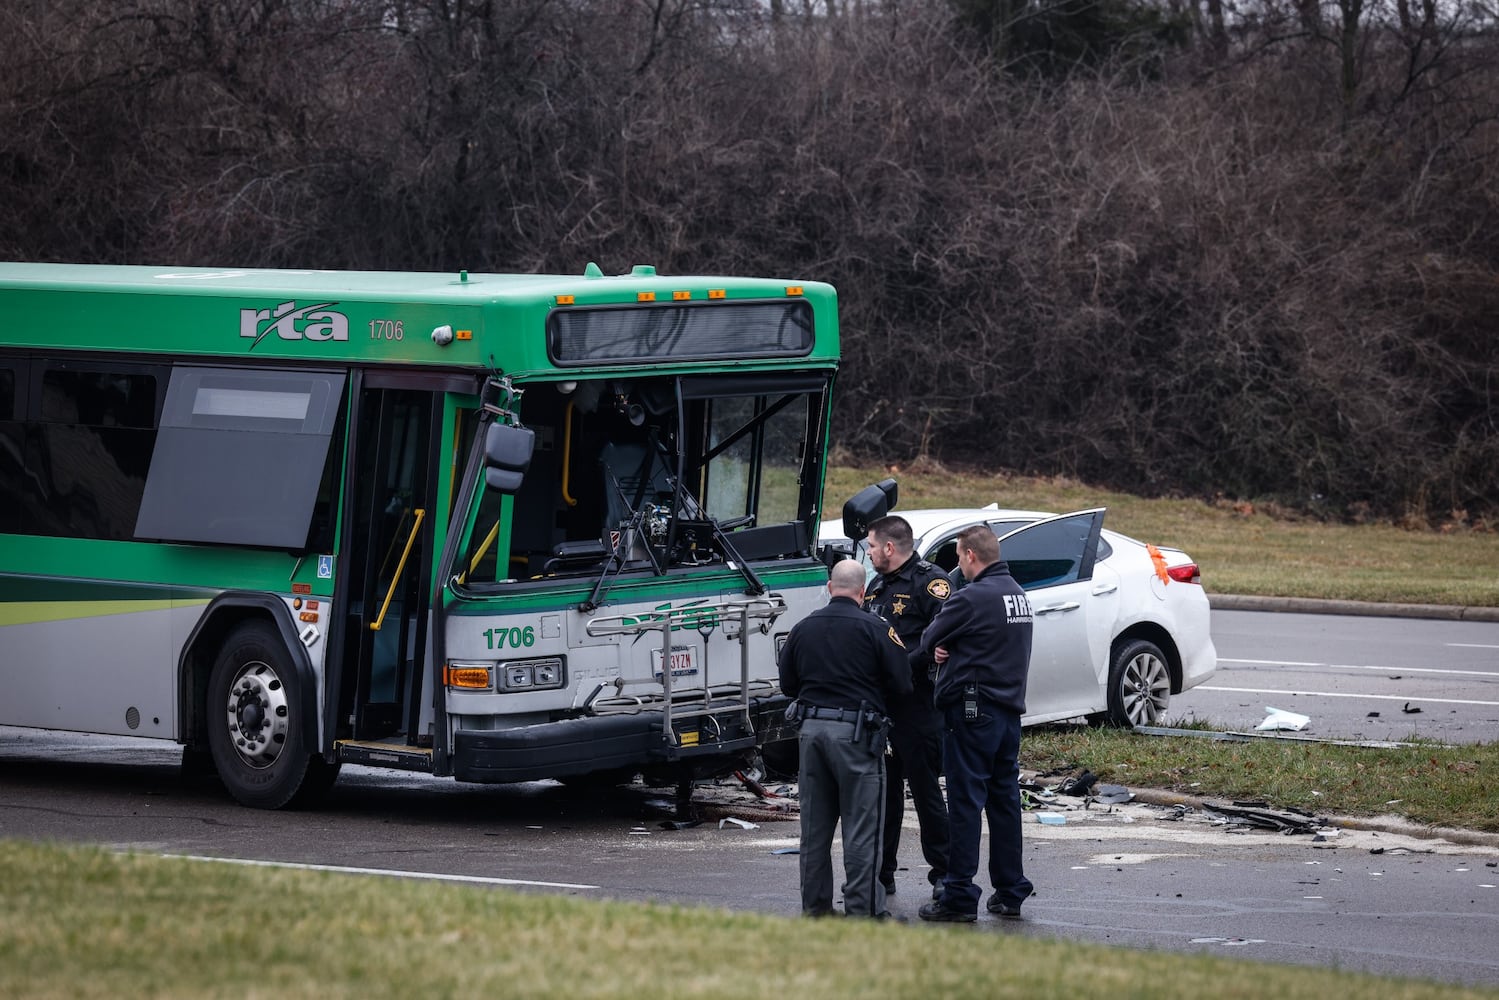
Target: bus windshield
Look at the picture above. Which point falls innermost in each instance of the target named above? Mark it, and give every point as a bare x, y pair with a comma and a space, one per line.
648, 474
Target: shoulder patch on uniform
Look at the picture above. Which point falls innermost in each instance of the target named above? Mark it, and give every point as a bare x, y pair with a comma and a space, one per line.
940, 588
896, 638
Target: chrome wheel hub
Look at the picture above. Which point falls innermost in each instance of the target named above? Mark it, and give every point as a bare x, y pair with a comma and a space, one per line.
258, 714
1146, 689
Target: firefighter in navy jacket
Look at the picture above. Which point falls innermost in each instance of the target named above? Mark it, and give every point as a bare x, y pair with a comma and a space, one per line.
981, 644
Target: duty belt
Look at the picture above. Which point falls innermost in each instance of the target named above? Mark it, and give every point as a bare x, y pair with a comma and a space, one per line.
830, 714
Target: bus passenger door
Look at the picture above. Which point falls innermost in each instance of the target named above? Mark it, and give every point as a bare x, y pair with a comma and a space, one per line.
389, 558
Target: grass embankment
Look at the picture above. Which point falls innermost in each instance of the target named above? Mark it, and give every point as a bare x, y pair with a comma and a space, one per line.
1241, 548
81, 922
1434, 785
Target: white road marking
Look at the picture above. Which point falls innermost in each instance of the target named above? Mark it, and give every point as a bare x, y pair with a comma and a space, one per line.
1341, 694
1360, 666
342, 869
1472, 645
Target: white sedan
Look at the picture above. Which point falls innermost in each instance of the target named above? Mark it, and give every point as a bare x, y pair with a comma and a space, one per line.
1120, 626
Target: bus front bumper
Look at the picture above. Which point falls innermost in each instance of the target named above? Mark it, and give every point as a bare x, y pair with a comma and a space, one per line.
616, 742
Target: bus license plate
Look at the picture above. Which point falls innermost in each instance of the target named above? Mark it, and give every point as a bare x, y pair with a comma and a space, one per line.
683, 661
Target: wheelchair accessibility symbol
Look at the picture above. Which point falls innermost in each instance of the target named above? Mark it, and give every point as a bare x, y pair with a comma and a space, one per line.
325, 567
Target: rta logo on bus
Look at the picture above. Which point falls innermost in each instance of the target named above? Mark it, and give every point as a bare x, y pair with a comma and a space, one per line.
314, 322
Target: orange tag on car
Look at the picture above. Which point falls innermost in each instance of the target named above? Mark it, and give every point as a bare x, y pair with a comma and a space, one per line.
1160, 562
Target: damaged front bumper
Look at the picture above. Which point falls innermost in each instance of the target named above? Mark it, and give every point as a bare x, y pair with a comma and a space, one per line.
714, 741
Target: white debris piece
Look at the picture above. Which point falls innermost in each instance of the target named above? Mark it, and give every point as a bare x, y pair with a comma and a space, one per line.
1280, 719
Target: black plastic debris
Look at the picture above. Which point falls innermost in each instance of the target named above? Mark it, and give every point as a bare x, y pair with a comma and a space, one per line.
1078, 784
1372, 715
1258, 814
1410, 711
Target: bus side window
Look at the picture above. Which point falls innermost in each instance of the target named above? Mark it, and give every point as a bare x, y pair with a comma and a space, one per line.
90, 438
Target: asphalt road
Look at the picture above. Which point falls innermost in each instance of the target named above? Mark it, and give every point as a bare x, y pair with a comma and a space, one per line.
1137, 876
1356, 677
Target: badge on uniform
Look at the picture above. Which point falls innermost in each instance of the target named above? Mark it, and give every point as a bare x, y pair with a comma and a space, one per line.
939, 588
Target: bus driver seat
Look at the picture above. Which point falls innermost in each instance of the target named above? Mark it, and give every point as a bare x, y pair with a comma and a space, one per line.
634, 475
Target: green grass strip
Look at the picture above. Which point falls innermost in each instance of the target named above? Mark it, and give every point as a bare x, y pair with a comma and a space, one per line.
83, 922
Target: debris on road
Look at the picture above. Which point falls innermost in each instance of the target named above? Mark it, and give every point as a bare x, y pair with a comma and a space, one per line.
1231, 737
750, 781
1109, 795
1258, 814
1278, 720
1078, 784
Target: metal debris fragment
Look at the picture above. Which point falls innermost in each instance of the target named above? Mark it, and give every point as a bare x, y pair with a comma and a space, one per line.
1257, 814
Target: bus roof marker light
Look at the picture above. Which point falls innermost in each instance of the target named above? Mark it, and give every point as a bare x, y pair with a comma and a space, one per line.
645, 296
793, 289
717, 293
681, 296
565, 300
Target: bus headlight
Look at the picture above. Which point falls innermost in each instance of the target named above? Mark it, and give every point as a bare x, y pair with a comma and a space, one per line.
532, 675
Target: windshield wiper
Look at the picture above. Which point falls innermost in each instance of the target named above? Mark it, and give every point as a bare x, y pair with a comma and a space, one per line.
626, 539
756, 585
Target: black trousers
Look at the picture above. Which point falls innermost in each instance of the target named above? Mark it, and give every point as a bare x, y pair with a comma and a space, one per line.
915, 758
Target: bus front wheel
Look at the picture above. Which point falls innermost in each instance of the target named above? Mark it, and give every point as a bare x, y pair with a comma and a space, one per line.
254, 719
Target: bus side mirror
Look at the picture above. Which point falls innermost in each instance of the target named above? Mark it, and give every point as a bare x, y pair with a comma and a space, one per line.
869, 504
507, 455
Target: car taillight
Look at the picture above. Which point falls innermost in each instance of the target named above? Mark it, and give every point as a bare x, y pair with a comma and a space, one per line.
1186, 573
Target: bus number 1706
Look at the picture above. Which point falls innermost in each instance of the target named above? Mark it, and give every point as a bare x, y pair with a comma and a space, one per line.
387, 329
499, 638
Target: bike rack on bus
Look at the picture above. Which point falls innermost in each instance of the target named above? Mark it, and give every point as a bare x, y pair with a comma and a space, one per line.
703, 619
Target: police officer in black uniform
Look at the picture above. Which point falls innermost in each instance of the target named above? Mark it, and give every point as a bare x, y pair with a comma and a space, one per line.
908, 592
843, 666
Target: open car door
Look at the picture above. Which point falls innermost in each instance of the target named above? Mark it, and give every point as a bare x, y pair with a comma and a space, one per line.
1056, 561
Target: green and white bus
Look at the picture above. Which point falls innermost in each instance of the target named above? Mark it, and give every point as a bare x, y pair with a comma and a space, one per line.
501, 527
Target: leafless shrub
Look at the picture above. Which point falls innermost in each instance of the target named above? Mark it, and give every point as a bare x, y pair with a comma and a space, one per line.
1237, 276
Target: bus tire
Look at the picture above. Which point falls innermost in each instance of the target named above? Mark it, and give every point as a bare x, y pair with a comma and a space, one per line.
254, 731
782, 759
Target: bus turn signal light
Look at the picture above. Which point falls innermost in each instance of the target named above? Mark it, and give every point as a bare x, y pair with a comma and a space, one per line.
472, 678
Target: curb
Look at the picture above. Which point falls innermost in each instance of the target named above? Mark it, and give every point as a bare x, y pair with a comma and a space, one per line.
1373, 824
1316, 606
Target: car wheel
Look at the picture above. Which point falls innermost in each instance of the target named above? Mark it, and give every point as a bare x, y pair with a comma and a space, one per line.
255, 724
1139, 684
